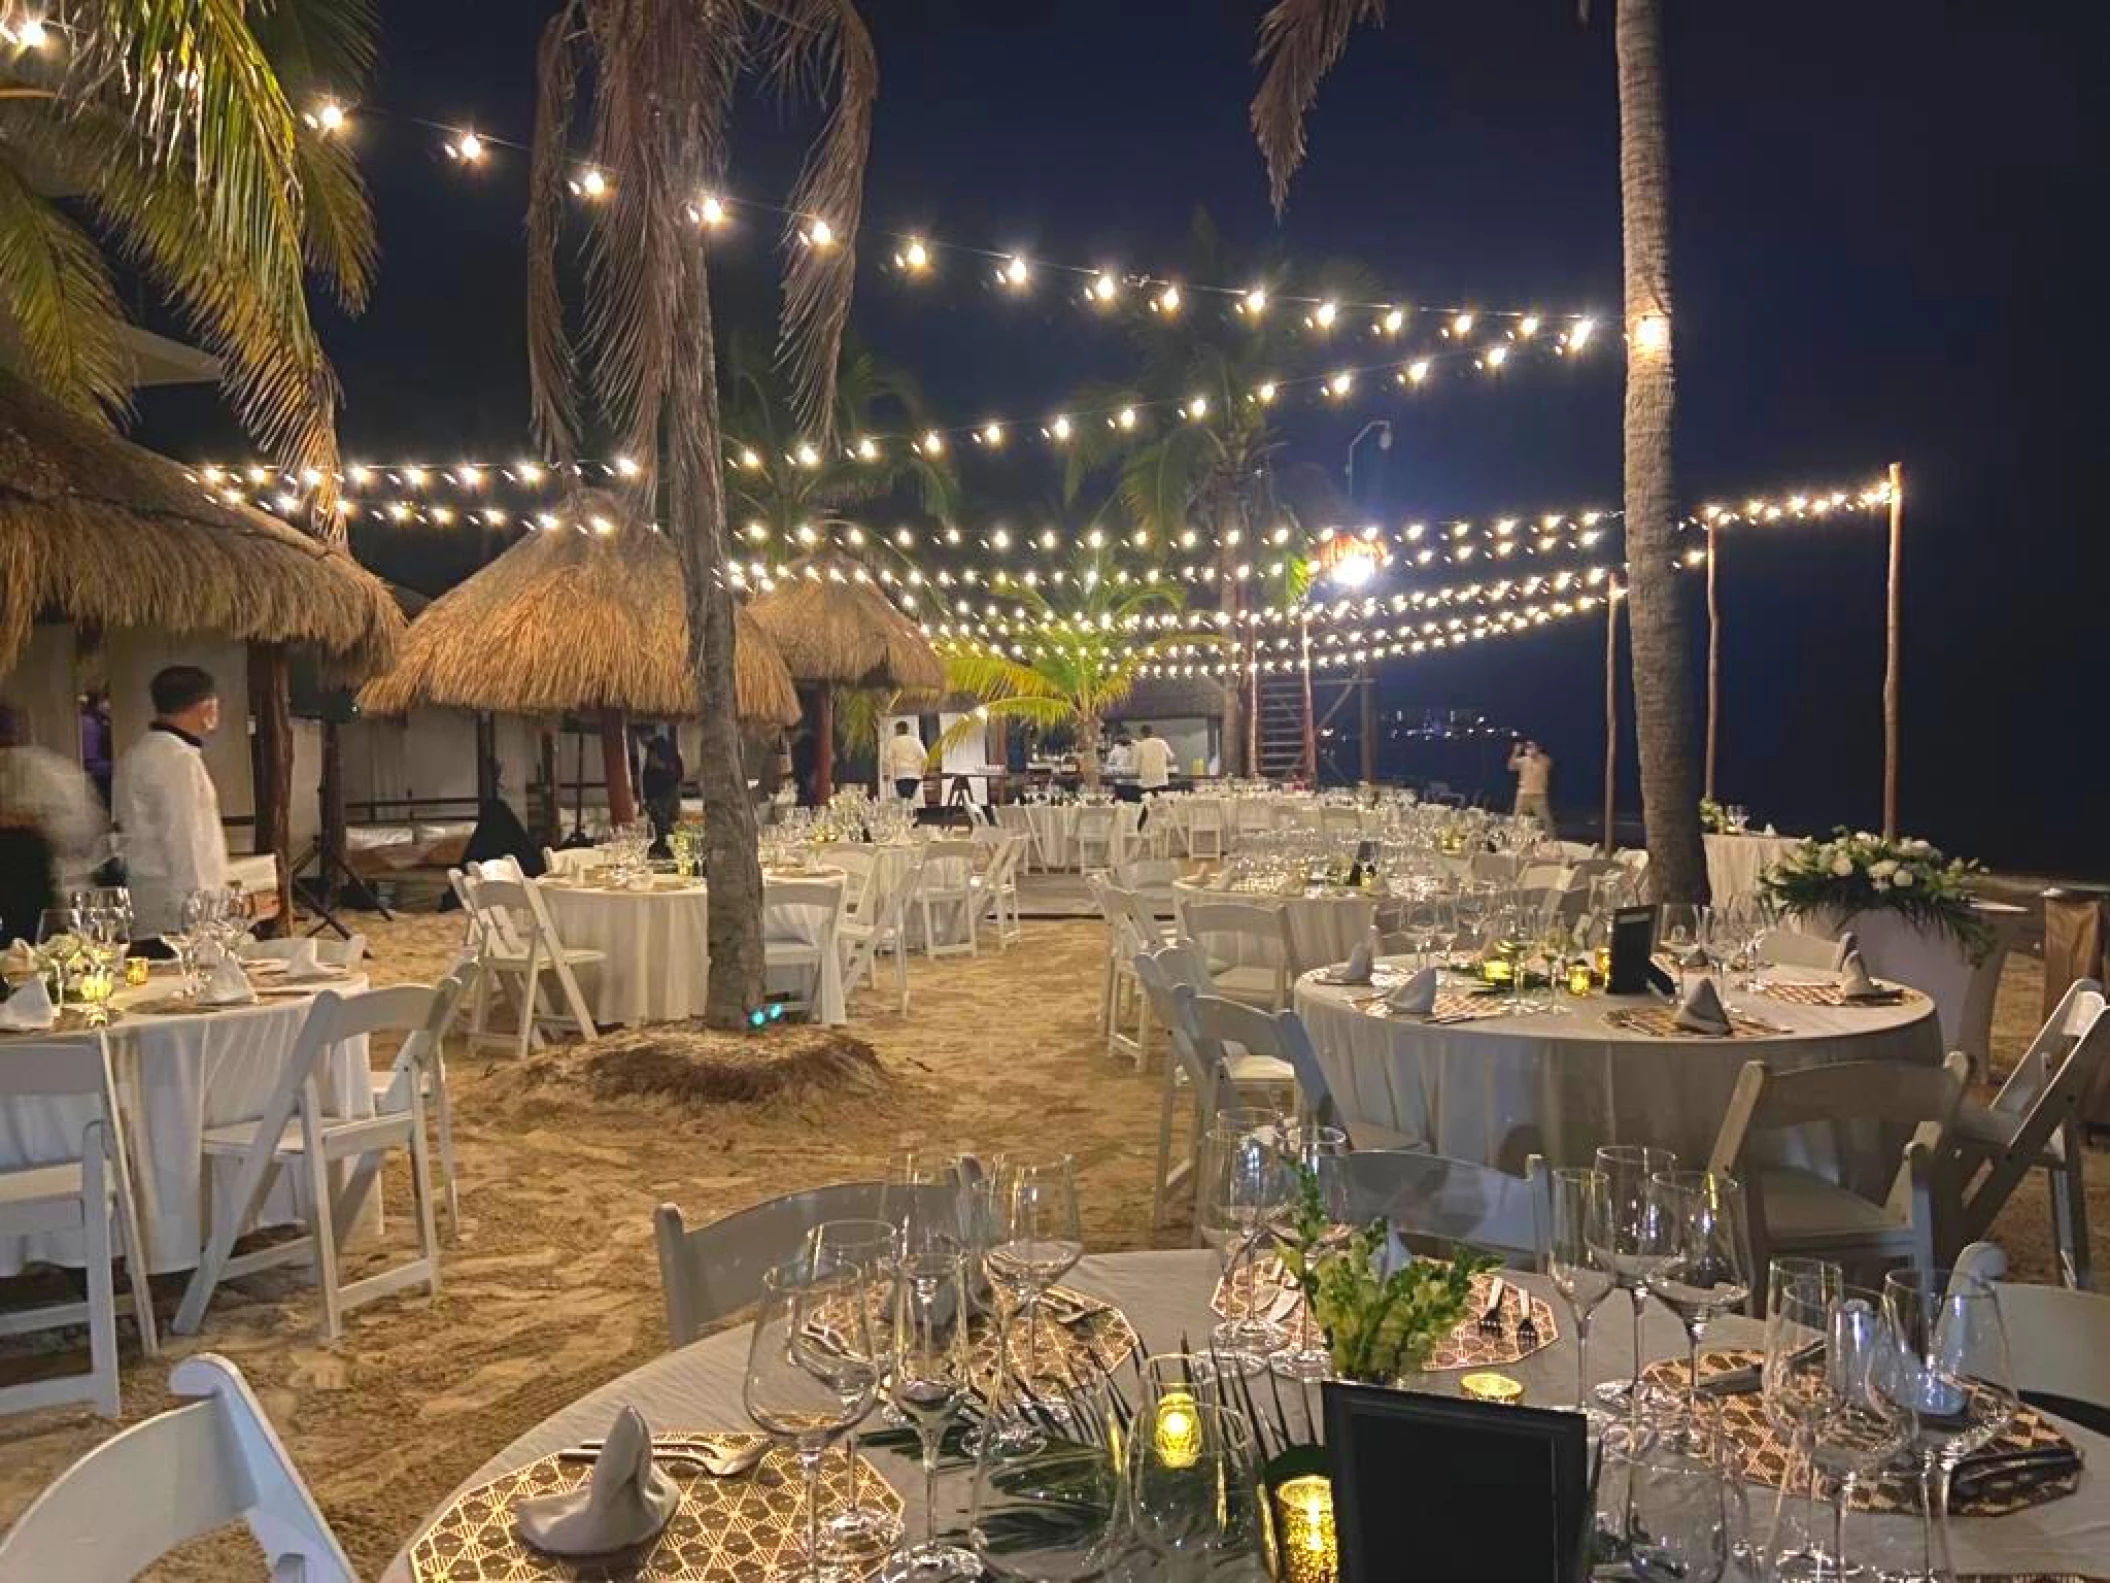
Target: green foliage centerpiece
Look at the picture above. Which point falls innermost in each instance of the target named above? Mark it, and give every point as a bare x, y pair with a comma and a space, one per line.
1858, 872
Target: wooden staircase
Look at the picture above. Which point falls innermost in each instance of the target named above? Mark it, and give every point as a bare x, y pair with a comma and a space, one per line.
1280, 705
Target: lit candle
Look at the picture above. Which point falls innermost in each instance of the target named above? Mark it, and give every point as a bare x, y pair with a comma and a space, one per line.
1495, 968
1578, 977
1178, 1436
1305, 1506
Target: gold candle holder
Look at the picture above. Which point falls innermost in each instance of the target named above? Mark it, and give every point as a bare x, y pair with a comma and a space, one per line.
1304, 1514
1177, 1434
1496, 969
136, 970
1578, 977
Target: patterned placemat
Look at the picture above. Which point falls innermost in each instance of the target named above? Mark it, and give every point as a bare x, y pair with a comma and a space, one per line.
182, 1005
1832, 995
1465, 1348
725, 1530
1662, 1022
1450, 1007
71, 1019
1764, 1459
1080, 1337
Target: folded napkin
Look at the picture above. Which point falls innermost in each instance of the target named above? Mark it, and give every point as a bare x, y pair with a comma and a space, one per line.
28, 1009
1849, 944
1701, 1010
301, 961
626, 1502
228, 986
1417, 996
1356, 970
1855, 982
19, 961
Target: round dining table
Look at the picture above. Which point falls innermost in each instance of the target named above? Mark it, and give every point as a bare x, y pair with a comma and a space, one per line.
176, 1075
655, 963
1166, 1297
1326, 922
1498, 1089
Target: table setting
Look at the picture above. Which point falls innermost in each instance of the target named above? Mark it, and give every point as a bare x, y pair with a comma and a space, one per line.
1210, 1442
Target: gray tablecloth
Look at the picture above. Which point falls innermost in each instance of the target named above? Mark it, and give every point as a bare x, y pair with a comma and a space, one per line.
1166, 1296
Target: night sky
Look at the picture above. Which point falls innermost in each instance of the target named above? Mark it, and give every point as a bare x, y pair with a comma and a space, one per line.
1884, 249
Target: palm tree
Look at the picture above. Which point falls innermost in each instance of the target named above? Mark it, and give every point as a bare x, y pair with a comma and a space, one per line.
1072, 668
663, 81
1300, 40
171, 126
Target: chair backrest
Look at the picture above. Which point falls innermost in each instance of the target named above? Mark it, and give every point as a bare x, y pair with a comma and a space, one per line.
1279, 1034
1095, 821
348, 952
1204, 813
505, 918
1200, 921
948, 864
426, 1044
1536, 876
1013, 817
2058, 1338
163, 1482
1794, 948
571, 859
861, 893
518, 902
2068, 1026
1431, 1198
1498, 866
501, 868
708, 1272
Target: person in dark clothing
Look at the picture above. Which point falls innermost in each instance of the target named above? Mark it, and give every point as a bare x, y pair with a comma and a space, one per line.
660, 784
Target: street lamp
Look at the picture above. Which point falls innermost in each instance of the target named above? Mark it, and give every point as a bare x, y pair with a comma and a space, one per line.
1383, 430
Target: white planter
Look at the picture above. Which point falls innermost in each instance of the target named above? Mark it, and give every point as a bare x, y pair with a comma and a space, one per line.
1933, 963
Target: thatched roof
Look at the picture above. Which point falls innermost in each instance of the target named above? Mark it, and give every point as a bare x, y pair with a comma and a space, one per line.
832, 624
574, 619
106, 533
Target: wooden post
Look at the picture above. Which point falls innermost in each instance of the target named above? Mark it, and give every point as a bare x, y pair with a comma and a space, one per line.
1611, 712
333, 817
1311, 732
615, 767
271, 706
1714, 663
823, 744
1252, 714
552, 796
486, 759
1369, 724
1890, 653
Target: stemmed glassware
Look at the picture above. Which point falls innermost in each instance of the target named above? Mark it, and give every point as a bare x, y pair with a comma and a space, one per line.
874, 1247
1243, 1189
1317, 1150
1036, 1239
929, 1381
1865, 1428
1953, 1373
1577, 1233
1425, 919
1797, 1393
1051, 1508
1628, 1227
812, 1372
1697, 1252
60, 948
1190, 1488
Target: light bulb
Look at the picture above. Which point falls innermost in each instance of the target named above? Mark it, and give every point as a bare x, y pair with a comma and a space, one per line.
1394, 321
1497, 356
1325, 314
1060, 428
1417, 371
328, 116
468, 148
1340, 384
710, 211
992, 434
933, 443
749, 459
868, 449
1169, 300
1198, 406
1105, 287
1527, 327
1462, 324
821, 234
1652, 333
807, 455
1255, 301
1266, 392
1579, 334
31, 33
916, 256
1126, 418
1015, 271
593, 184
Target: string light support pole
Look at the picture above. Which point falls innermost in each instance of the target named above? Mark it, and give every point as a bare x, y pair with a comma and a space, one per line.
1311, 734
1714, 656
1611, 712
1890, 653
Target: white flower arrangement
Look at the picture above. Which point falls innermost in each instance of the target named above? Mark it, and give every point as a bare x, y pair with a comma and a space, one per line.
1860, 872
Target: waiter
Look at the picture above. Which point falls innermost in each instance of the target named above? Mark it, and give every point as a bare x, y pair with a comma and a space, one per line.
903, 762
166, 804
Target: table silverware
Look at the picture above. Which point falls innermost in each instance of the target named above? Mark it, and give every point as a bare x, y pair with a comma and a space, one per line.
1491, 1319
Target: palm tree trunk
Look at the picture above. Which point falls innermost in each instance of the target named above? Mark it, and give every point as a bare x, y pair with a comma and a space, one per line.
696, 512
615, 767
1088, 728
1663, 704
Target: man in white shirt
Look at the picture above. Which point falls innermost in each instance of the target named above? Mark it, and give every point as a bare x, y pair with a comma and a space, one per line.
1533, 767
903, 761
1153, 761
167, 807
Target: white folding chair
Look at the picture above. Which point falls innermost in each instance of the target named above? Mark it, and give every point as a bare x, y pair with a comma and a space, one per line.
1793, 948
518, 944
296, 1132
1247, 946
1794, 1210
997, 888
1204, 827
1430, 1198
2035, 1123
1118, 989
86, 1194
422, 1059
1128, 832
708, 1272
1096, 838
570, 862
1013, 819
1152, 879
879, 923
2058, 1340
809, 941
173, 1478
947, 883
348, 953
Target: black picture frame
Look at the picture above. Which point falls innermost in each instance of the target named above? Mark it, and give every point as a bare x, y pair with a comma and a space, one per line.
1633, 944
1438, 1486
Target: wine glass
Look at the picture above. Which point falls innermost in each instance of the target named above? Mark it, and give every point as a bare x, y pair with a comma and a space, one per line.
1190, 1486
1629, 1170
1954, 1374
1243, 1188
1425, 919
1682, 933
1577, 1231
1050, 1508
929, 1382
812, 1372
1866, 1427
1677, 1519
1698, 1254
873, 1247
1797, 1392
1310, 1151
921, 1199
59, 947
1038, 1237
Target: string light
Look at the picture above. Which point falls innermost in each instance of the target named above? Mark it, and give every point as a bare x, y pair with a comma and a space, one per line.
1255, 301
1167, 301
1059, 430
914, 256
328, 117
591, 183
1015, 272
820, 234
1394, 321
467, 148
1105, 288
710, 211
1652, 333
1462, 324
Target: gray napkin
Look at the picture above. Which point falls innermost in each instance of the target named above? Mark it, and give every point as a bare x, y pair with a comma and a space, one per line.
1417, 996
1855, 982
1701, 1009
626, 1502
1356, 970
228, 986
29, 1008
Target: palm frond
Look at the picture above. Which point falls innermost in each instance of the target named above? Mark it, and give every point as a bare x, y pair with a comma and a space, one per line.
321, 46
991, 676
552, 366
819, 45
1160, 482
59, 303
338, 219
1048, 713
1300, 40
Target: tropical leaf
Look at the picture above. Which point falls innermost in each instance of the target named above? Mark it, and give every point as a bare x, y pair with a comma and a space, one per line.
339, 219
1300, 41
58, 302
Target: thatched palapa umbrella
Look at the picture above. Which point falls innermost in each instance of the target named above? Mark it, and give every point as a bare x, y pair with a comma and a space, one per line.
835, 628
109, 535
586, 616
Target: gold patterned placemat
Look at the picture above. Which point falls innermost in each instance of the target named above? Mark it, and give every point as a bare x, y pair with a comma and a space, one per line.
1465, 1348
724, 1531
71, 1019
1832, 995
1080, 1337
1449, 1007
182, 1005
1764, 1459
1662, 1022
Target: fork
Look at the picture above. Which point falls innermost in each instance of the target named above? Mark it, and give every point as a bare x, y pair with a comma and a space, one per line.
1527, 1329
1491, 1320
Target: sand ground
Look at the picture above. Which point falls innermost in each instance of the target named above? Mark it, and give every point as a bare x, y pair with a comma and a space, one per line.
551, 1287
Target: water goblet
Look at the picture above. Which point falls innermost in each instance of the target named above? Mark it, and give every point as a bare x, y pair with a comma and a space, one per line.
1242, 1189
929, 1381
1799, 1295
1038, 1237
1866, 1428
874, 1247
1577, 1233
1629, 1171
1697, 1251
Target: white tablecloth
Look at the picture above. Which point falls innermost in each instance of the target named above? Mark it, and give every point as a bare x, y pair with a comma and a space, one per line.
1562, 1083
1324, 927
176, 1076
1734, 862
1166, 1297
658, 964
